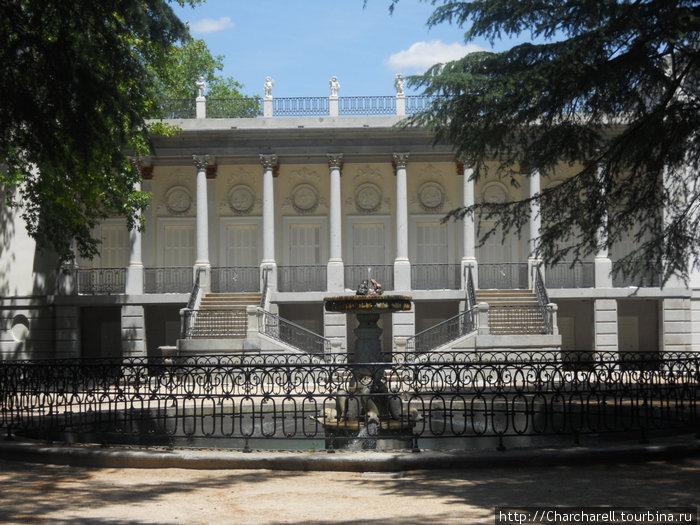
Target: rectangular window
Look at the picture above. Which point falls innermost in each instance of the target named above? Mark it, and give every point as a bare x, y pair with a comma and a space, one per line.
179, 247
368, 243
242, 245
114, 251
431, 243
304, 244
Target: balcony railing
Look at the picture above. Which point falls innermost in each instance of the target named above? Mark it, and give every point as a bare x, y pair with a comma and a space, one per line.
176, 109
310, 278
174, 279
300, 107
234, 107
418, 103
570, 275
382, 273
503, 276
101, 280
435, 276
367, 106
651, 279
233, 280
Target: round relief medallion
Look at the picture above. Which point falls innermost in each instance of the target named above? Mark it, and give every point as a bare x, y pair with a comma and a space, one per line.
304, 198
494, 193
178, 200
241, 199
368, 197
431, 196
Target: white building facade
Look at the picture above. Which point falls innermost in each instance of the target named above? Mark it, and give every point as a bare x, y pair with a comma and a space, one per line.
320, 193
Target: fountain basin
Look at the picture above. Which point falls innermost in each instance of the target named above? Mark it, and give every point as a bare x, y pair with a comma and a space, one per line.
376, 304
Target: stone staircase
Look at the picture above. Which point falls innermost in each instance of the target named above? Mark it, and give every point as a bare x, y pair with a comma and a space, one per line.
223, 315
513, 312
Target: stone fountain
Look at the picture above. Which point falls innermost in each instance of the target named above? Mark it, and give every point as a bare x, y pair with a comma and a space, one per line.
364, 409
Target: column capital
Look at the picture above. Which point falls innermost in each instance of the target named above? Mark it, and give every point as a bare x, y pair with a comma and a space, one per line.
335, 160
269, 161
202, 161
400, 160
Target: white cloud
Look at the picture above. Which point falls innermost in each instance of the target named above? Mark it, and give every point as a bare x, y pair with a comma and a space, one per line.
209, 25
421, 55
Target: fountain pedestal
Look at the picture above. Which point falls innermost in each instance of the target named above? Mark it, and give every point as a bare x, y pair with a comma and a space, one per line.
365, 409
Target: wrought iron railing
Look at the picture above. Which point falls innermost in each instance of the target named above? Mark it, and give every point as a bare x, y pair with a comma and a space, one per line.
95, 281
265, 284
234, 107
444, 332
471, 293
356, 273
435, 277
195, 294
175, 279
543, 300
418, 103
300, 107
570, 275
310, 278
234, 280
384, 105
452, 400
292, 334
503, 276
208, 324
651, 279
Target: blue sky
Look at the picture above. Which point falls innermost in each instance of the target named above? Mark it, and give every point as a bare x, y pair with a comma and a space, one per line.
302, 43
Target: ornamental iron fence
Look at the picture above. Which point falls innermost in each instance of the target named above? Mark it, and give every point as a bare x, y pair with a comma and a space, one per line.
449, 400
184, 108
94, 281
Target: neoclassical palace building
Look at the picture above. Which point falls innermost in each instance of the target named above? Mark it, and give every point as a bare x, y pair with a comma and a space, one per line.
254, 220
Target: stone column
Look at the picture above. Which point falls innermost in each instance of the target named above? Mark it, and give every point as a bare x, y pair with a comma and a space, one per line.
335, 277
602, 262
403, 323
468, 227
269, 162
202, 233
402, 265
133, 330
535, 227
134, 273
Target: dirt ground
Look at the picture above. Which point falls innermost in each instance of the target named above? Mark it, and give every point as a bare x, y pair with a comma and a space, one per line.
34, 493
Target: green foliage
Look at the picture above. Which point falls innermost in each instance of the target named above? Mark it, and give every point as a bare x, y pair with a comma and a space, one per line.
75, 91
177, 73
608, 88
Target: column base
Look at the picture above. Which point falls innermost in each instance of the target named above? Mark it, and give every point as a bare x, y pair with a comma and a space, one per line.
335, 276
134, 280
603, 272
402, 275
469, 262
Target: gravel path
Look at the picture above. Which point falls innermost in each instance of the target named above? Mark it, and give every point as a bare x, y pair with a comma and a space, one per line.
33, 493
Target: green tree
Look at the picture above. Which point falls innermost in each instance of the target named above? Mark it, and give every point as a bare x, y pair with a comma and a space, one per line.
177, 73
77, 79
610, 88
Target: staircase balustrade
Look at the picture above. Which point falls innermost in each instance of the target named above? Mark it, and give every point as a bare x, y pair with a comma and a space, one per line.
292, 334
444, 332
